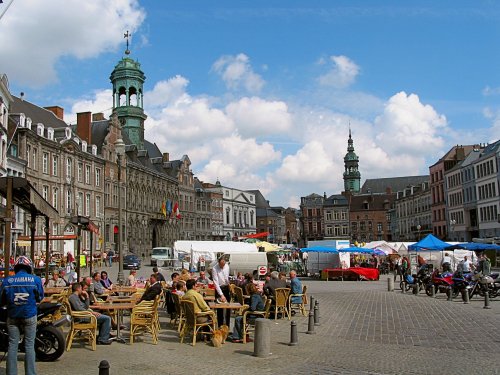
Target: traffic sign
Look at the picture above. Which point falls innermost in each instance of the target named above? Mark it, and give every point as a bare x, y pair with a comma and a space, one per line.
262, 270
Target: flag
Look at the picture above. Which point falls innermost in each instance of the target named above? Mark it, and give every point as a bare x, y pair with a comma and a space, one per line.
176, 212
163, 209
169, 207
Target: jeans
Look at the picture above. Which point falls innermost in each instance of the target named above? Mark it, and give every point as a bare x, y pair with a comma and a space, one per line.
14, 326
104, 324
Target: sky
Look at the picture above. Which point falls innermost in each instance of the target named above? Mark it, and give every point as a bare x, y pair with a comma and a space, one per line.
260, 94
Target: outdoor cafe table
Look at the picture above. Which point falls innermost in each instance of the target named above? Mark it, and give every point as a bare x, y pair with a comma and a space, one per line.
54, 290
119, 307
225, 305
124, 289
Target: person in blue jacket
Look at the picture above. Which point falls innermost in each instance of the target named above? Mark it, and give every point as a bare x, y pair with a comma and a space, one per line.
21, 293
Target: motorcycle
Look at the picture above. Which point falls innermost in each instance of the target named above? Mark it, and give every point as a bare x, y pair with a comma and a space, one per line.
483, 284
441, 282
421, 278
49, 341
462, 281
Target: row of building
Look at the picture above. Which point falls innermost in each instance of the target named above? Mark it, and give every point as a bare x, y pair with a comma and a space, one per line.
105, 170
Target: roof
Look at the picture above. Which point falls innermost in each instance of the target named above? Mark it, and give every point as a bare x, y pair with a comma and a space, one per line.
36, 113
381, 185
376, 202
260, 200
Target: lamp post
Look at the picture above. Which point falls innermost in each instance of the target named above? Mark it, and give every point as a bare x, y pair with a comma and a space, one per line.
418, 229
120, 151
452, 227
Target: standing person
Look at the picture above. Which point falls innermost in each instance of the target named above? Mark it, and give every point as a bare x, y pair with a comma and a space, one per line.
111, 254
104, 257
446, 262
220, 276
20, 293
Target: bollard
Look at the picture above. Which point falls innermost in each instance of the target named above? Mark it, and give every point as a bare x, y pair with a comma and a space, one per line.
104, 367
486, 300
433, 291
465, 295
316, 313
294, 340
262, 338
390, 284
450, 294
403, 289
310, 326
312, 303
415, 289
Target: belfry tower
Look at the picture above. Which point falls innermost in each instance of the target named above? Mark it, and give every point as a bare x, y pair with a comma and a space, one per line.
352, 177
128, 79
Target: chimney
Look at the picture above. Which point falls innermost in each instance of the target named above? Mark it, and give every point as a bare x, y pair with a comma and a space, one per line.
56, 110
460, 153
166, 157
83, 126
388, 190
98, 116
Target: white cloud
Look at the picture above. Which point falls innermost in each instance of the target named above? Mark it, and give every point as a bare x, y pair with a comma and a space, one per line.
237, 73
490, 91
256, 117
102, 102
83, 29
342, 74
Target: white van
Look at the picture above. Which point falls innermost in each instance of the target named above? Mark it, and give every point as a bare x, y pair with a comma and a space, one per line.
243, 262
162, 255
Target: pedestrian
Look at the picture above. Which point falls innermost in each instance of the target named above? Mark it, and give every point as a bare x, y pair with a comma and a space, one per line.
105, 258
21, 293
446, 263
220, 276
111, 254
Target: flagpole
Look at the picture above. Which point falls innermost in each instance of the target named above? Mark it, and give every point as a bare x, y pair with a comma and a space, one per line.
6, 8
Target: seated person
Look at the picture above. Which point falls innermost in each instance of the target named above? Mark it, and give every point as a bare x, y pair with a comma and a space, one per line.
199, 303
295, 286
131, 281
158, 274
185, 275
180, 288
105, 281
62, 276
256, 304
153, 290
56, 281
96, 288
80, 301
240, 280
273, 284
202, 279
175, 277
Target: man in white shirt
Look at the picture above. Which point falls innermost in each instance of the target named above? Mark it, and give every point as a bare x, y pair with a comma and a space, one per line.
446, 262
220, 276
466, 265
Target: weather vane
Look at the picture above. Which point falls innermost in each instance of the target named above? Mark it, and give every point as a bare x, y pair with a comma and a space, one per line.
127, 35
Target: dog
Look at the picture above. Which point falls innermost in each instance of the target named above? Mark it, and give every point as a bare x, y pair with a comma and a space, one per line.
219, 336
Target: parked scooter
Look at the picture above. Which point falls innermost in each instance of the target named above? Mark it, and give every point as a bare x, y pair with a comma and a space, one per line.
49, 340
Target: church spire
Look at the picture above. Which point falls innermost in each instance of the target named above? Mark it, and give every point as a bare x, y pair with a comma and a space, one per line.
127, 35
352, 177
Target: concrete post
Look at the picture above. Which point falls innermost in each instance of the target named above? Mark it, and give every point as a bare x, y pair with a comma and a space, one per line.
450, 294
415, 289
486, 300
465, 295
316, 313
404, 287
310, 326
294, 340
262, 339
312, 303
433, 291
104, 367
390, 284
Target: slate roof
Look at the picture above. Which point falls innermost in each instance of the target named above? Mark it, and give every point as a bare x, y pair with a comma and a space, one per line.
380, 185
375, 202
36, 113
260, 200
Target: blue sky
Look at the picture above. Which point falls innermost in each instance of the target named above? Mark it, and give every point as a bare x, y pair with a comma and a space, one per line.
260, 94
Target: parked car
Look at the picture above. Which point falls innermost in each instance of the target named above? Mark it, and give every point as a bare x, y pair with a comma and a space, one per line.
131, 262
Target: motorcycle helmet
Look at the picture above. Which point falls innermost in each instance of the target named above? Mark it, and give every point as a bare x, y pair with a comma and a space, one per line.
23, 262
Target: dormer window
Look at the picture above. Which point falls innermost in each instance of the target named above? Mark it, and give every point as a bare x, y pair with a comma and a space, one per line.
22, 120
50, 133
94, 150
67, 133
84, 146
39, 129
77, 140
28, 123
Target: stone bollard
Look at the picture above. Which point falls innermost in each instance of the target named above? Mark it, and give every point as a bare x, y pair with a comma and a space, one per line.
262, 338
312, 303
487, 300
316, 313
294, 340
415, 289
104, 367
403, 289
465, 295
450, 294
390, 284
310, 326
433, 291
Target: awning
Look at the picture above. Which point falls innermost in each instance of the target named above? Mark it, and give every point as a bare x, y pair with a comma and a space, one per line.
28, 198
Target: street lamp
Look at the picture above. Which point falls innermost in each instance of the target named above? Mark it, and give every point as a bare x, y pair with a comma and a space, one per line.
418, 229
120, 151
452, 227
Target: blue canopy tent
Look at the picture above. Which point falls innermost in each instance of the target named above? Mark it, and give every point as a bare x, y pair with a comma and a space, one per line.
474, 246
319, 249
429, 243
354, 249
